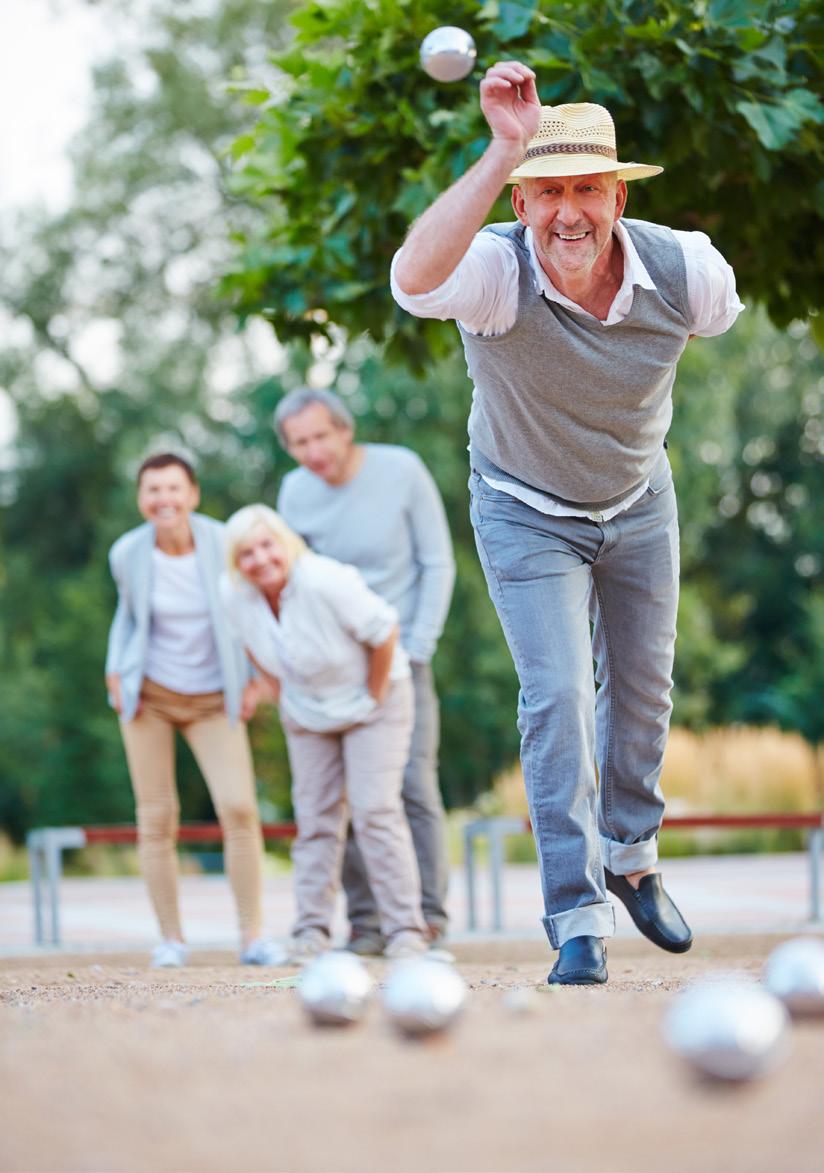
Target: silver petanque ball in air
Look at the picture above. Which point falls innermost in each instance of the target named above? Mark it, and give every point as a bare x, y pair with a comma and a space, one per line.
422, 997
335, 989
448, 53
794, 972
727, 1029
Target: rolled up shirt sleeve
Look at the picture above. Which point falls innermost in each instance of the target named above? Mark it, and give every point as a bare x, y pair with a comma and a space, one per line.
713, 298
481, 292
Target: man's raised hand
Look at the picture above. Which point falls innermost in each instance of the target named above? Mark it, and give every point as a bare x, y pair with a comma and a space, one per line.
510, 102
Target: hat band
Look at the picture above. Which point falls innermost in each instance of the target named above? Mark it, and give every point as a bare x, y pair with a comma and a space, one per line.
570, 149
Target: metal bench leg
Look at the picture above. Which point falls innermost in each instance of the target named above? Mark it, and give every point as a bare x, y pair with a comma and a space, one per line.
496, 864
470, 831
46, 847
35, 849
815, 847
54, 870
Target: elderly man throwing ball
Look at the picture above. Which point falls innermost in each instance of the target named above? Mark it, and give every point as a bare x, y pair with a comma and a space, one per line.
573, 320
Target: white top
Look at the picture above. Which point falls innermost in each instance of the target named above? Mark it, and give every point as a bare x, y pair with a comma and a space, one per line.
182, 653
319, 646
482, 294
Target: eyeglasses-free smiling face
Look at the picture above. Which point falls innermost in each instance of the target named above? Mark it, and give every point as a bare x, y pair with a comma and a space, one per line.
319, 444
166, 497
261, 559
571, 218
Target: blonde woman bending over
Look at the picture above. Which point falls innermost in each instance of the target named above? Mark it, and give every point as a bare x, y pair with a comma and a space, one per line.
328, 647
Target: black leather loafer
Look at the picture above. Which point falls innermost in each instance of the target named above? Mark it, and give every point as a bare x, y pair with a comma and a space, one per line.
652, 911
582, 961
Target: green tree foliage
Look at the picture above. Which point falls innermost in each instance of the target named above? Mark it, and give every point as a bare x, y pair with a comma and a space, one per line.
114, 345
763, 557
355, 141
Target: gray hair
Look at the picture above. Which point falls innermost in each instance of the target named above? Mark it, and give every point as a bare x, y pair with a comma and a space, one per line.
303, 397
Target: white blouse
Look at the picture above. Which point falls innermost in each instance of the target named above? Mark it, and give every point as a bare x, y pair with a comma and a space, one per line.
319, 646
181, 653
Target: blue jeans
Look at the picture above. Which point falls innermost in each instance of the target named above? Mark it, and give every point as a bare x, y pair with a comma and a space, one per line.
569, 590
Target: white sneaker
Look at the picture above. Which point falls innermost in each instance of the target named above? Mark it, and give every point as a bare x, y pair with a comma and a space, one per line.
263, 952
307, 945
438, 953
406, 944
169, 955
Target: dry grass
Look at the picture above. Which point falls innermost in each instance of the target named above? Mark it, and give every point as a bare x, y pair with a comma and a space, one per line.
740, 770
734, 770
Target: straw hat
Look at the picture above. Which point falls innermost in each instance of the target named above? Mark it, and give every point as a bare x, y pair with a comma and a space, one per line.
577, 138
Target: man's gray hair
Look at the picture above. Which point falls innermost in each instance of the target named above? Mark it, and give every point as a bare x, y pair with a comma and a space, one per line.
303, 397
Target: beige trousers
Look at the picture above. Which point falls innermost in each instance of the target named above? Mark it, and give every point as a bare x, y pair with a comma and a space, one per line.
222, 752
355, 773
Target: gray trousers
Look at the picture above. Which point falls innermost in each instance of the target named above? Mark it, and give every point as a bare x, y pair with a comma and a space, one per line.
425, 814
355, 772
548, 576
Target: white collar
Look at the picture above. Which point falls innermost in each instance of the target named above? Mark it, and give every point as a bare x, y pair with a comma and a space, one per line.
635, 273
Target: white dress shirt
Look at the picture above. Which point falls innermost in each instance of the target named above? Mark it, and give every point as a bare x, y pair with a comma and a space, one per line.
482, 294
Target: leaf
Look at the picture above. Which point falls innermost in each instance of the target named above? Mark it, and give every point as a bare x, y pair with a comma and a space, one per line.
816, 322
243, 145
806, 104
652, 30
777, 125
256, 97
766, 63
513, 19
734, 14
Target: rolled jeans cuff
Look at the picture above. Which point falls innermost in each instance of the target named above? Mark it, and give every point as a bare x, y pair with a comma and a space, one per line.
593, 920
623, 858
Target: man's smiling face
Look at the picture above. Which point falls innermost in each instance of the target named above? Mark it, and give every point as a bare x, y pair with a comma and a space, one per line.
571, 218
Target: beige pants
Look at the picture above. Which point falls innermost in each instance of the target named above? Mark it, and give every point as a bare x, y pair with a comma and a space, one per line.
356, 773
222, 752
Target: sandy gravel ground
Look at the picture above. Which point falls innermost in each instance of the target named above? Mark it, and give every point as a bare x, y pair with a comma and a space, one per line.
108, 1066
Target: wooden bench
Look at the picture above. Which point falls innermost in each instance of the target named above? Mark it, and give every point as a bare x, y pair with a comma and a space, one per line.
47, 844
497, 830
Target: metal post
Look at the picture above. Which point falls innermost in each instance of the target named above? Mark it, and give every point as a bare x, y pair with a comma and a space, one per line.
46, 847
496, 864
471, 832
54, 869
33, 843
815, 846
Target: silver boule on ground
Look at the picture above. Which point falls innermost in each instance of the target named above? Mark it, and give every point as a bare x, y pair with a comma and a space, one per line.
794, 972
448, 53
423, 997
335, 989
728, 1029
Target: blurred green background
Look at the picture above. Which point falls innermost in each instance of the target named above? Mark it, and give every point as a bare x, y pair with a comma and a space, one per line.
246, 171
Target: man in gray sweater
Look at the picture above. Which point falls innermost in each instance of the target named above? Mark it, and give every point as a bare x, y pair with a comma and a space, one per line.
573, 321
376, 507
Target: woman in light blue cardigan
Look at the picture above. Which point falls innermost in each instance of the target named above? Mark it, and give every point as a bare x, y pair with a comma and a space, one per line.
173, 665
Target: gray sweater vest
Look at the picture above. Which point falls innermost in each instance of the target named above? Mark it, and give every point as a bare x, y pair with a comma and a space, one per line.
569, 406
